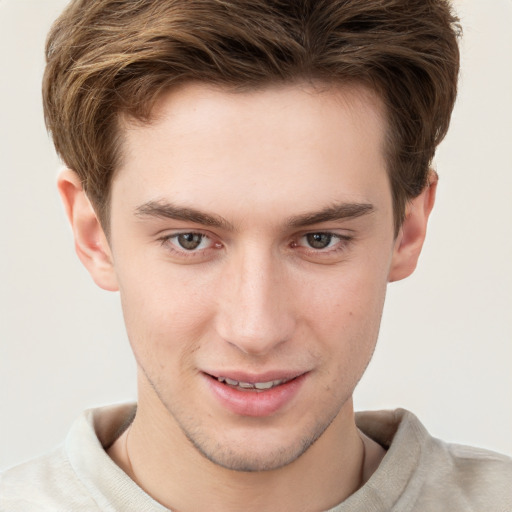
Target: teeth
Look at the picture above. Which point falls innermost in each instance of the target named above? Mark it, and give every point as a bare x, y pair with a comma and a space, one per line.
250, 385
246, 385
264, 385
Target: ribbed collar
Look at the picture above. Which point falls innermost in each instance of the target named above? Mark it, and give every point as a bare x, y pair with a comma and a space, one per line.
107, 483
397, 482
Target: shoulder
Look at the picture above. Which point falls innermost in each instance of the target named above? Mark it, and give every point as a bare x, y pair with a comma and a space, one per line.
481, 479
72, 477
47, 483
79, 476
423, 473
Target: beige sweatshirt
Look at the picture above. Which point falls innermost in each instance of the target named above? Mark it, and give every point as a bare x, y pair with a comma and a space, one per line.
418, 473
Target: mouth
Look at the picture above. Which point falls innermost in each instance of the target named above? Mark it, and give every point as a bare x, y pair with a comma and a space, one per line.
252, 386
255, 395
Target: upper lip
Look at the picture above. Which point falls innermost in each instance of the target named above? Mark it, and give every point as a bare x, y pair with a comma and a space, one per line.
252, 378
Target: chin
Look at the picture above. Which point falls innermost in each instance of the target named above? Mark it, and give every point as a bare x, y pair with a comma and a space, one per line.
258, 450
250, 461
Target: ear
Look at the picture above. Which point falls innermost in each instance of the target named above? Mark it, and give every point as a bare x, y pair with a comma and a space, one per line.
410, 240
91, 244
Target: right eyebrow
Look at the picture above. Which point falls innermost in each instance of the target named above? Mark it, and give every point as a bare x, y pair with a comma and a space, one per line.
167, 210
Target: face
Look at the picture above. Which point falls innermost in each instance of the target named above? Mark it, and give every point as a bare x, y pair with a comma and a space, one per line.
252, 241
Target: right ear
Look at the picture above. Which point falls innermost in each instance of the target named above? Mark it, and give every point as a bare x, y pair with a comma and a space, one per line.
91, 244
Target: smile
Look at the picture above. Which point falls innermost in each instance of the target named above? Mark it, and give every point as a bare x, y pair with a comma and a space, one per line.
255, 395
257, 386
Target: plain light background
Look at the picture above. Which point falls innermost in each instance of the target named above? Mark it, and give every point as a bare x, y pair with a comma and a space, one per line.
445, 349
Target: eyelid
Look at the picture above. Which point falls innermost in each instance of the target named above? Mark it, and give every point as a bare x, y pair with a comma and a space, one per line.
166, 234
341, 236
343, 244
174, 250
174, 240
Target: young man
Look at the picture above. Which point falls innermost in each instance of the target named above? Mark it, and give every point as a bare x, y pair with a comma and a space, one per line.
250, 175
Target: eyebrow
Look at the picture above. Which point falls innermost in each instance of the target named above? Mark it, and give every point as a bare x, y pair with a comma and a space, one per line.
335, 212
166, 210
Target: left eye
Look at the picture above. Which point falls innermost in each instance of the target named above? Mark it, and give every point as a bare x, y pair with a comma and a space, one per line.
320, 240
190, 241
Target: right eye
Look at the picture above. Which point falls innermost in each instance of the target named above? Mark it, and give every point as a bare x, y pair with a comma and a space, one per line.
190, 241
189, 246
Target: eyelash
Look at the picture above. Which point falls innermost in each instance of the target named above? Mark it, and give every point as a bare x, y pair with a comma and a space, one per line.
167, 243
342, 244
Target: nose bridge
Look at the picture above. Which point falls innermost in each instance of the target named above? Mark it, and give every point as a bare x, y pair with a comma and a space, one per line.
255, 313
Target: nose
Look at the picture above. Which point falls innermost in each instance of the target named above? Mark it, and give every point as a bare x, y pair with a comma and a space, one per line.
254, 309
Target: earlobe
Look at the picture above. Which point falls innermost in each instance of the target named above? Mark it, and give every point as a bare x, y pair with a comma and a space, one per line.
412, 234
91, 244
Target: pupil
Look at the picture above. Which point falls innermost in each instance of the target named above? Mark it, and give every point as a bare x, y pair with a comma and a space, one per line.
319, 240
190, 241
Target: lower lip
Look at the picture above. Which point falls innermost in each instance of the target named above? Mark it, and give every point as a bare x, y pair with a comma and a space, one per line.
255, 403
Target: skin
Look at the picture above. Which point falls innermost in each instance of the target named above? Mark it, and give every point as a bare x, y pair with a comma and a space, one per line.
255, 297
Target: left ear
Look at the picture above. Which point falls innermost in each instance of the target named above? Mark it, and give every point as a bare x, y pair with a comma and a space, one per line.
410, 239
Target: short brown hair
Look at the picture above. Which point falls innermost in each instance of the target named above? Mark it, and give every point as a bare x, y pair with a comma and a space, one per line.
107, 58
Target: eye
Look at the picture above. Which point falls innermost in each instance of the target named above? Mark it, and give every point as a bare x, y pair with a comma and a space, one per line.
190, 247
319, 240
189, 241
323, 246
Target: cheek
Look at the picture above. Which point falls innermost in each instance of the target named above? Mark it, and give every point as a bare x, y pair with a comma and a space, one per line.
347, 297
165, 312
345, 318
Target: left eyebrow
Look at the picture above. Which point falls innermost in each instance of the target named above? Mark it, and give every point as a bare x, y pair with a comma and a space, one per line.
335, 212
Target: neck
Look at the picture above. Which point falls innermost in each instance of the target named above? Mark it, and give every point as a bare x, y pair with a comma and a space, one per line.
160, 459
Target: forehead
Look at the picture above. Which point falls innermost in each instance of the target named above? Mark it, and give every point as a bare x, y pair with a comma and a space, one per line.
218, 149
